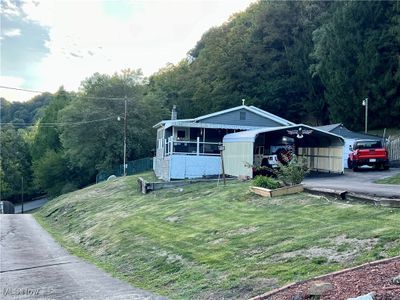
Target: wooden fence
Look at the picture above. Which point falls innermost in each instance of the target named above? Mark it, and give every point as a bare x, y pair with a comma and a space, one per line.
393, 146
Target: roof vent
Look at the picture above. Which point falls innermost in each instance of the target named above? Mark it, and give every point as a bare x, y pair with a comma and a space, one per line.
174, 113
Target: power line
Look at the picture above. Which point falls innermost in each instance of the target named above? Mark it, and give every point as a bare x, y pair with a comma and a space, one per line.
72, 96
54, 124
18, 89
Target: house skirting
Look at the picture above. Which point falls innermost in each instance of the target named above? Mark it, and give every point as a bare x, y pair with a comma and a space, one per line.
187, 166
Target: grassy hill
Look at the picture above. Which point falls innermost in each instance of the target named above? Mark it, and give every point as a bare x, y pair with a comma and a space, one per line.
210, 242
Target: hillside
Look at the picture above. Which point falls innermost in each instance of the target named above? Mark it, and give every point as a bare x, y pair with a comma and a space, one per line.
24, 113
211, 242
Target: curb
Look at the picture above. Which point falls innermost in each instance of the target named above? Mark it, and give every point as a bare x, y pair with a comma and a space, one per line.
351, 196
273, 292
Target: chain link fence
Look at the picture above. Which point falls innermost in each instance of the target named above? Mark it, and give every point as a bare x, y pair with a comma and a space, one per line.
133, 167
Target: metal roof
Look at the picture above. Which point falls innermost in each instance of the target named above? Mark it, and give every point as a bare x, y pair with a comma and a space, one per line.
272, 116
329, 127
252, 109
342, 131
251, 135
207, 125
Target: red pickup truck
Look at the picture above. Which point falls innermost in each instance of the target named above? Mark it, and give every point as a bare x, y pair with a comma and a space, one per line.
368, 153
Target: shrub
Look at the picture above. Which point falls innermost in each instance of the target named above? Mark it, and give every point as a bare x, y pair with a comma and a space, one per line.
266, 182
293, 172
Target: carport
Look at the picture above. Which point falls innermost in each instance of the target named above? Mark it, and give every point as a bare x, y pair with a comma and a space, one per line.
323, 150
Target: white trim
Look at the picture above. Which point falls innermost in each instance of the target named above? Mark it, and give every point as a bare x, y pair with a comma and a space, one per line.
252, 109
210, 126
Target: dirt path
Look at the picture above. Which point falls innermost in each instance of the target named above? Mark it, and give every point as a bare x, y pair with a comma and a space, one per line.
34, 266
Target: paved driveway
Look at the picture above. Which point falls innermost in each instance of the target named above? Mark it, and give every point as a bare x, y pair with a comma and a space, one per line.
359, 182
34, 266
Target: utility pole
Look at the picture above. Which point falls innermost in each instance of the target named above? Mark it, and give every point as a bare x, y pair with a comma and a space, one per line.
22, 195
125, 130
365, 103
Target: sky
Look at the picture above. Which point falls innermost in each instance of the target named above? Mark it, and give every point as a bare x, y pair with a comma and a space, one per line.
52, 43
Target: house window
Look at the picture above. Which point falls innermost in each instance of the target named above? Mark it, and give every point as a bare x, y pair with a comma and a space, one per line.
242, 115
181, 134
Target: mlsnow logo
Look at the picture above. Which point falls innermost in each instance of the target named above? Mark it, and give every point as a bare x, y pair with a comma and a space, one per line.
21, 292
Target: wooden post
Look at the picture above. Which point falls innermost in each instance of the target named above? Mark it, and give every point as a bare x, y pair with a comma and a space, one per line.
221, 149
125, 131
22, 195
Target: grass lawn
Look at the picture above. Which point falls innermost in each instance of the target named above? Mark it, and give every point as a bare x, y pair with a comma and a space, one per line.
210, 242
390, 180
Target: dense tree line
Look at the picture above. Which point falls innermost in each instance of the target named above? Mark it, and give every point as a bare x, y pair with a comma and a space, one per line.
307, 61
23, 113
78, 135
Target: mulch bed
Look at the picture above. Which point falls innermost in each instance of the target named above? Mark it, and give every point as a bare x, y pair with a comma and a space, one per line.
350, 283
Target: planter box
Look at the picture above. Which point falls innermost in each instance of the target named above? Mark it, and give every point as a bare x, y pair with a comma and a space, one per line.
286, 190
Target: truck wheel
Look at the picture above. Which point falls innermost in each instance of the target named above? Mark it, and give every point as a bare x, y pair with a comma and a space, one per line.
349, 165
386, 167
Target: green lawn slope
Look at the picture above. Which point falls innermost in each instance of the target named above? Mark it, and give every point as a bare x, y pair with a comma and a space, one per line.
211, 242
390, 180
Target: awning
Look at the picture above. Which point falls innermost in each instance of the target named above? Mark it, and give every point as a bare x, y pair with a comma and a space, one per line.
295, 130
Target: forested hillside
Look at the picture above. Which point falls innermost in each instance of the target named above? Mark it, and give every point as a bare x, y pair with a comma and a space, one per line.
307, 61
310, 62
22, 114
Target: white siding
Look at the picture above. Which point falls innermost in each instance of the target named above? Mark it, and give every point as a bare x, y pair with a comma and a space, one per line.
346, 150
238, 158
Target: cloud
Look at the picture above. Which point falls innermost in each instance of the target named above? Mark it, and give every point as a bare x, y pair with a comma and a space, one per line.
108, 36
14, 95
75, 55
11, 81
9, 9
12, 32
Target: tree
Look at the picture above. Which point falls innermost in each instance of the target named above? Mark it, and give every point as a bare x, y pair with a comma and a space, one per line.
52, 175
356, 54
93, 140
15, 162
23, 113
46, 135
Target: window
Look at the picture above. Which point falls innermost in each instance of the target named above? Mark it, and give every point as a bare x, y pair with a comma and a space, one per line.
368, 145
242, 115
181, 134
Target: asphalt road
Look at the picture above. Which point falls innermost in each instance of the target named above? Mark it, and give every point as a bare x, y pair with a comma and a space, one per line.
359, 182
34, 266
30, 205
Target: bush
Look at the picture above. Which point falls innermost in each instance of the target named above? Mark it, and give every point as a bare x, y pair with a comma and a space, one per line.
266, 182
293, 172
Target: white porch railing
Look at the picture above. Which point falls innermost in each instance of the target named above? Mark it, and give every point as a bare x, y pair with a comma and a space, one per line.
191, 147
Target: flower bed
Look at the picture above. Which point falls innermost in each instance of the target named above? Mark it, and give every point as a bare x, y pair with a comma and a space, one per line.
286, 190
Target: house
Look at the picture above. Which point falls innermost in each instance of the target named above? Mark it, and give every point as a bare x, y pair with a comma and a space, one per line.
188, 148
349, 137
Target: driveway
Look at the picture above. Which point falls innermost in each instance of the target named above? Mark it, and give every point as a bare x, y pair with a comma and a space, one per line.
34, 266
360, 182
